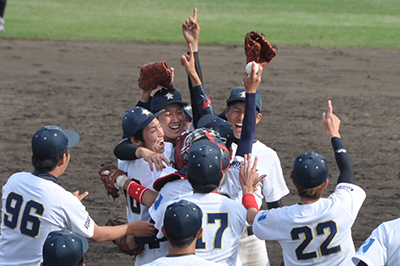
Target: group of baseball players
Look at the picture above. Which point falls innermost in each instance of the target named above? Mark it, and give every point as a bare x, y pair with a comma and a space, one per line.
194, 183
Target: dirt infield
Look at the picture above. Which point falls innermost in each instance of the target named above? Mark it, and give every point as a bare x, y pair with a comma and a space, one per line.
87, 86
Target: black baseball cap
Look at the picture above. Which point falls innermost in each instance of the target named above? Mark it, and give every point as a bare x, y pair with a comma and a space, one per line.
136, 119
164, 97
182, 219
239, 94
51, 141
310, 170
64, 248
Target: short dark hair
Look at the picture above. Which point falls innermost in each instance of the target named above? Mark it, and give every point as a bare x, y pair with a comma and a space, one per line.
309, 193
47, 165
181, 243
201, 188
139, 135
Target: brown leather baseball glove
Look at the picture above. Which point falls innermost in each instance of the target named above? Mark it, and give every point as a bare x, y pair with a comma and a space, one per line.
154, 74
109, 173
126, 243
258, 49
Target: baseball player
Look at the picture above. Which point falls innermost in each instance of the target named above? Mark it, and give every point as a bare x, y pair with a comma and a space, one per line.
182, 226
316, 230
64, 248
381, 247
33, 204
2, 8
252, 251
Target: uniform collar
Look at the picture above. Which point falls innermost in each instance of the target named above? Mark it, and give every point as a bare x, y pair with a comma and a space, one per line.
45, 175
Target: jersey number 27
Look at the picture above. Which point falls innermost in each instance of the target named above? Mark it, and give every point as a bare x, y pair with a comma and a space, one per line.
29, 224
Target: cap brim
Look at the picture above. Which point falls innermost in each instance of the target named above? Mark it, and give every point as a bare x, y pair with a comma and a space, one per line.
73, 138
174, 101
150, 118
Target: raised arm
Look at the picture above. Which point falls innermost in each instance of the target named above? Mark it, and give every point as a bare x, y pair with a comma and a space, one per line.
331, 125
251, 83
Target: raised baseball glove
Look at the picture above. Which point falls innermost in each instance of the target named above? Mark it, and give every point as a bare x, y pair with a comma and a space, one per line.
154, 74
109, 173
258, 49
131, 248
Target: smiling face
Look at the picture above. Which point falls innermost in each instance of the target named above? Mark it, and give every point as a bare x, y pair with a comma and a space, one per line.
172, 121
235, 114
153, 136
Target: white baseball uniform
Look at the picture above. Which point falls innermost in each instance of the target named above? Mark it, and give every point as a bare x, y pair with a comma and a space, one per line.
382, 247
32, 207
139, 171
223, 220
191, 260
316, 233
253, 251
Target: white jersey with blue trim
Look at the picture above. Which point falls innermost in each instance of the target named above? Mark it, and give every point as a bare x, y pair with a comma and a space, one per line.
314, 234
32, 207
139, 171
382, 247
273, 186
191, 260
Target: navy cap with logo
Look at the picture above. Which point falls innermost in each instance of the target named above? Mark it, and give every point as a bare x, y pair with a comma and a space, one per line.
51, 141
188, 110
310, 170
222, 126
204, 162
64, 248
164, 97
239, 94
182, 219
136, 119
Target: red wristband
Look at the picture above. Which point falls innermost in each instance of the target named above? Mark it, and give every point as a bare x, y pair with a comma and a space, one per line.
136, 191
249, 201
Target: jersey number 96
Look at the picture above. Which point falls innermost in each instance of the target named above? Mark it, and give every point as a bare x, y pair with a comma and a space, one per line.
29, 223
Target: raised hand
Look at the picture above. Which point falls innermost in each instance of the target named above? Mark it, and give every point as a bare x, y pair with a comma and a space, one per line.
331, 122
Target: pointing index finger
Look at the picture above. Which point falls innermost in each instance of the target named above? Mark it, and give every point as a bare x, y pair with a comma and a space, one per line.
330, 109
195, 13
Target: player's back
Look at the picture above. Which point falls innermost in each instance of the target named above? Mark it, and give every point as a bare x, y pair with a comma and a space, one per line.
223, 223
314, 234
33, 207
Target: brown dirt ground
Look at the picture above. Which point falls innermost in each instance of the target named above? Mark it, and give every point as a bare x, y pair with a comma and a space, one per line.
87, 86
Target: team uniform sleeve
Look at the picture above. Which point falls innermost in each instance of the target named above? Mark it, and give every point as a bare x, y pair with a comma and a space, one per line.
350, 197
274, 186
265, 224
78, 219
373, 251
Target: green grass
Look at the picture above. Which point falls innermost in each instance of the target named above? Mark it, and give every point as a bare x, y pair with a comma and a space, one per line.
363, 23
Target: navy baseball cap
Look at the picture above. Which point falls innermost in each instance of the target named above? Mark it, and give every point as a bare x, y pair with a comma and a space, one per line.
239, 94
64, 248
204, 162
182, 219
136, 119
51, 141
222, 126
164, 97
310, 170
188, 110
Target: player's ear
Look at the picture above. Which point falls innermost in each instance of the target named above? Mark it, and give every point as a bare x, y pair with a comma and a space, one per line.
136, 142
199, 233
326, 183
258, 117
163, 231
